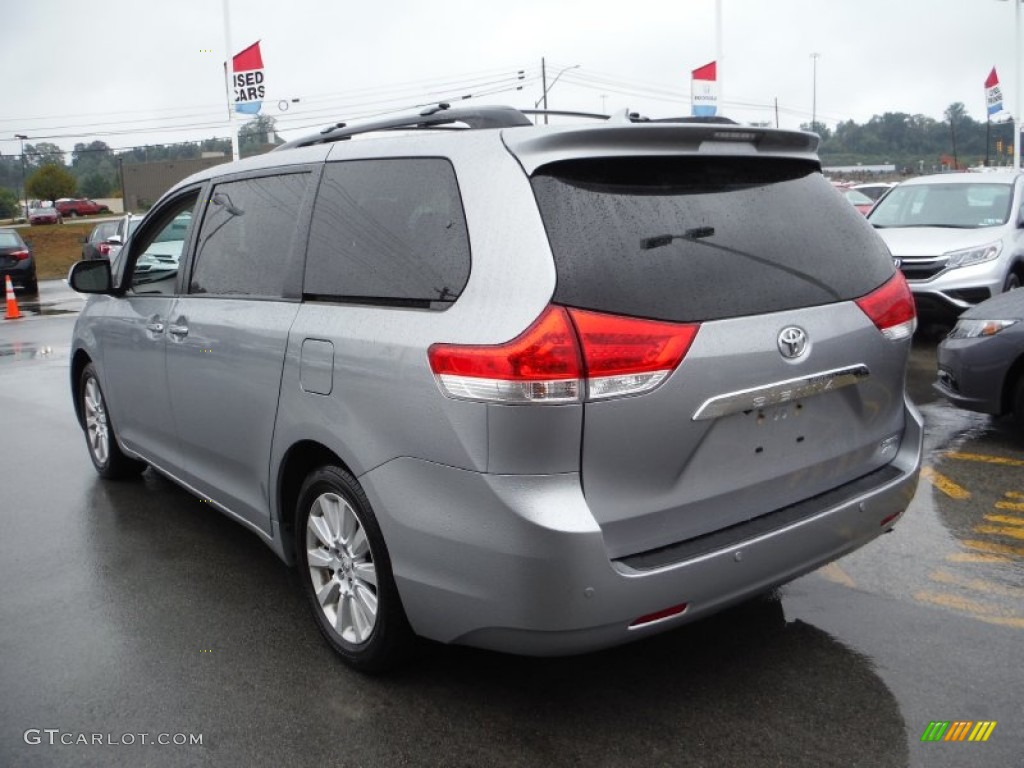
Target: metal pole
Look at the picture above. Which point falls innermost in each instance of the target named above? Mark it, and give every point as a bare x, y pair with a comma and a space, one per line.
1016, 85
718, 51
814, 91
24, 193
544, 85
229, 75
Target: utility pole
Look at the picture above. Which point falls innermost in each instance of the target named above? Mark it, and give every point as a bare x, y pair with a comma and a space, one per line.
24, 194
229, 76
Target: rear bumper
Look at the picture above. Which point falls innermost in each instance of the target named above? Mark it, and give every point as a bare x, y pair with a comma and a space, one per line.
517, 563
21, 273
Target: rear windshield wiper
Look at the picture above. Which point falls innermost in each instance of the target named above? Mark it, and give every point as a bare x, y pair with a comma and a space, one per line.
660, 241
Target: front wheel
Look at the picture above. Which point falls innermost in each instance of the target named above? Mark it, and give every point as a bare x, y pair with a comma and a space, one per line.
1012, 282
104, 451
346, 572
1018, 403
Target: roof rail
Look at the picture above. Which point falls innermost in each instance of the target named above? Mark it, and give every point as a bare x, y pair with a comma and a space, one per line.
438, 116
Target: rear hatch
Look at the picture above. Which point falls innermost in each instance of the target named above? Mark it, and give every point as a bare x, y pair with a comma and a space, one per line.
789, 388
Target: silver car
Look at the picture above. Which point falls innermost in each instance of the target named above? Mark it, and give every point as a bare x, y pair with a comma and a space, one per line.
958, 237
541, 389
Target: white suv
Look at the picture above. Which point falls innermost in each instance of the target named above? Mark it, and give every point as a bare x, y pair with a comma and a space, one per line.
958, 238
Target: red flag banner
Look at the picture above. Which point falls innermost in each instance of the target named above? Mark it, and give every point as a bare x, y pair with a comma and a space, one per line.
248, 79
704, 90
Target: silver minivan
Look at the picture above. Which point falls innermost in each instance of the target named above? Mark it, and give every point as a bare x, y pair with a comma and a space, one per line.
540, 389
957, 237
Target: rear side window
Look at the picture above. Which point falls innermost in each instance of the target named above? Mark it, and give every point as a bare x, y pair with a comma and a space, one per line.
696, 239
388, 232
247, 236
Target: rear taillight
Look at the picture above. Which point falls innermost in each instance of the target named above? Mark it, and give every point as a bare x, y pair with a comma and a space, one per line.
625, 355
567, 355
891, 308
104, 249
20, 255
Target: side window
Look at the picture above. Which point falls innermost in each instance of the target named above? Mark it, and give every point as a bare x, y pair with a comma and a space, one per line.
388, 232
246, 236
157, 249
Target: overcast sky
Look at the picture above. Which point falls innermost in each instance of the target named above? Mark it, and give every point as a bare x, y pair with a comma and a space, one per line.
132, 72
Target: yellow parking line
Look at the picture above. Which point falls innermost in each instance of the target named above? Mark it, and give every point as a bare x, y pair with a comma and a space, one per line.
944, 484
1001, 530
995, 549
985, 459
970, 557
1012, 506
1008, 519
1014, 495
833, 572
978, 585
975, 609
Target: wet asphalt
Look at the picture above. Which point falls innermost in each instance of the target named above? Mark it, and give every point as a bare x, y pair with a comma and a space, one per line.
131, 613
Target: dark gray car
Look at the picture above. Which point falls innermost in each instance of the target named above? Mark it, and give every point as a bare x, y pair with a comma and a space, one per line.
981, 362
541, 389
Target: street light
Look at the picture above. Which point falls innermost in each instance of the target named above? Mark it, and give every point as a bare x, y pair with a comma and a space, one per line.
544, 96
24, 194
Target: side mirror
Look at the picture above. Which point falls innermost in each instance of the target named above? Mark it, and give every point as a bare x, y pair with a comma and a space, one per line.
90, 277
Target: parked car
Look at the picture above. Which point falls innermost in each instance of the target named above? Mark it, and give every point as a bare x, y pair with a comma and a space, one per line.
858, 200
80, 207
125, 226
647, 391
875, 189
96, 245
44, 216
981, 362
16, 261
957, 237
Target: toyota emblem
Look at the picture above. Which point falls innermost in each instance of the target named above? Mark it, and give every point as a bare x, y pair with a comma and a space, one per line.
792, 342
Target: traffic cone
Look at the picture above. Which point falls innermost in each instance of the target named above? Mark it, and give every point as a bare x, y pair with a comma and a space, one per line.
12, 303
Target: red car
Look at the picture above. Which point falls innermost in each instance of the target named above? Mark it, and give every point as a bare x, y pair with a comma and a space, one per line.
858, 200
79, 207
44, 216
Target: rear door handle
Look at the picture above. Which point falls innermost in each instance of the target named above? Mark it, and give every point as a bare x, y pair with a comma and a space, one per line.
155, 326
178, 330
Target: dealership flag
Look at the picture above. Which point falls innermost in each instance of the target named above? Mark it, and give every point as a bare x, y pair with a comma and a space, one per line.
247, 80
704, 90
993, 93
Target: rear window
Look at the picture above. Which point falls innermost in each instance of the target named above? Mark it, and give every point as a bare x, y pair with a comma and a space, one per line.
696, 239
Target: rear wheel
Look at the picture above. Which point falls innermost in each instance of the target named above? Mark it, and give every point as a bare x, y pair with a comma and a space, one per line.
346, 572
106, 456
31, 286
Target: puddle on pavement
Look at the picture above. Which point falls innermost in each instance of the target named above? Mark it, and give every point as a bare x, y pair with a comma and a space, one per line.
17, 350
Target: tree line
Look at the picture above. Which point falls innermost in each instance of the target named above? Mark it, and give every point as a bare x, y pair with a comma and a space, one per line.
92, 169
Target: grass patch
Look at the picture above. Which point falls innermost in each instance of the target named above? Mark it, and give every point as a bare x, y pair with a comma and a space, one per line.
56, 246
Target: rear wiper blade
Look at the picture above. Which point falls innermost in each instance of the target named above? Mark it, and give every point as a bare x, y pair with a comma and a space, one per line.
660, 241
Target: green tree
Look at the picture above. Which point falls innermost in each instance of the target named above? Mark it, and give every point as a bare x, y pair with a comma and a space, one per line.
51, 182
256, 133
43, 153
95, 185
9, 205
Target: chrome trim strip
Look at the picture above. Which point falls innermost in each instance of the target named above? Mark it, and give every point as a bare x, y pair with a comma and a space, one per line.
781, 392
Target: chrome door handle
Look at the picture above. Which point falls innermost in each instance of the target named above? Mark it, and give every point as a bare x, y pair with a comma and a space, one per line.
155, 327
180, 331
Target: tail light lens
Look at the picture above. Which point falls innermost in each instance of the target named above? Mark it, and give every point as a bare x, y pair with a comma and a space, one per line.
20, 255
104, 249
567, 355
625, 355
891, 308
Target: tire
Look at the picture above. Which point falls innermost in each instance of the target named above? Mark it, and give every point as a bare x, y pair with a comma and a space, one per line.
100, 437
32, 286
1012, 282
73, 214
346, 574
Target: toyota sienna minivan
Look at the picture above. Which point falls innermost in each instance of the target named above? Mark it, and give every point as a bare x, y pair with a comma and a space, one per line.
539, 389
